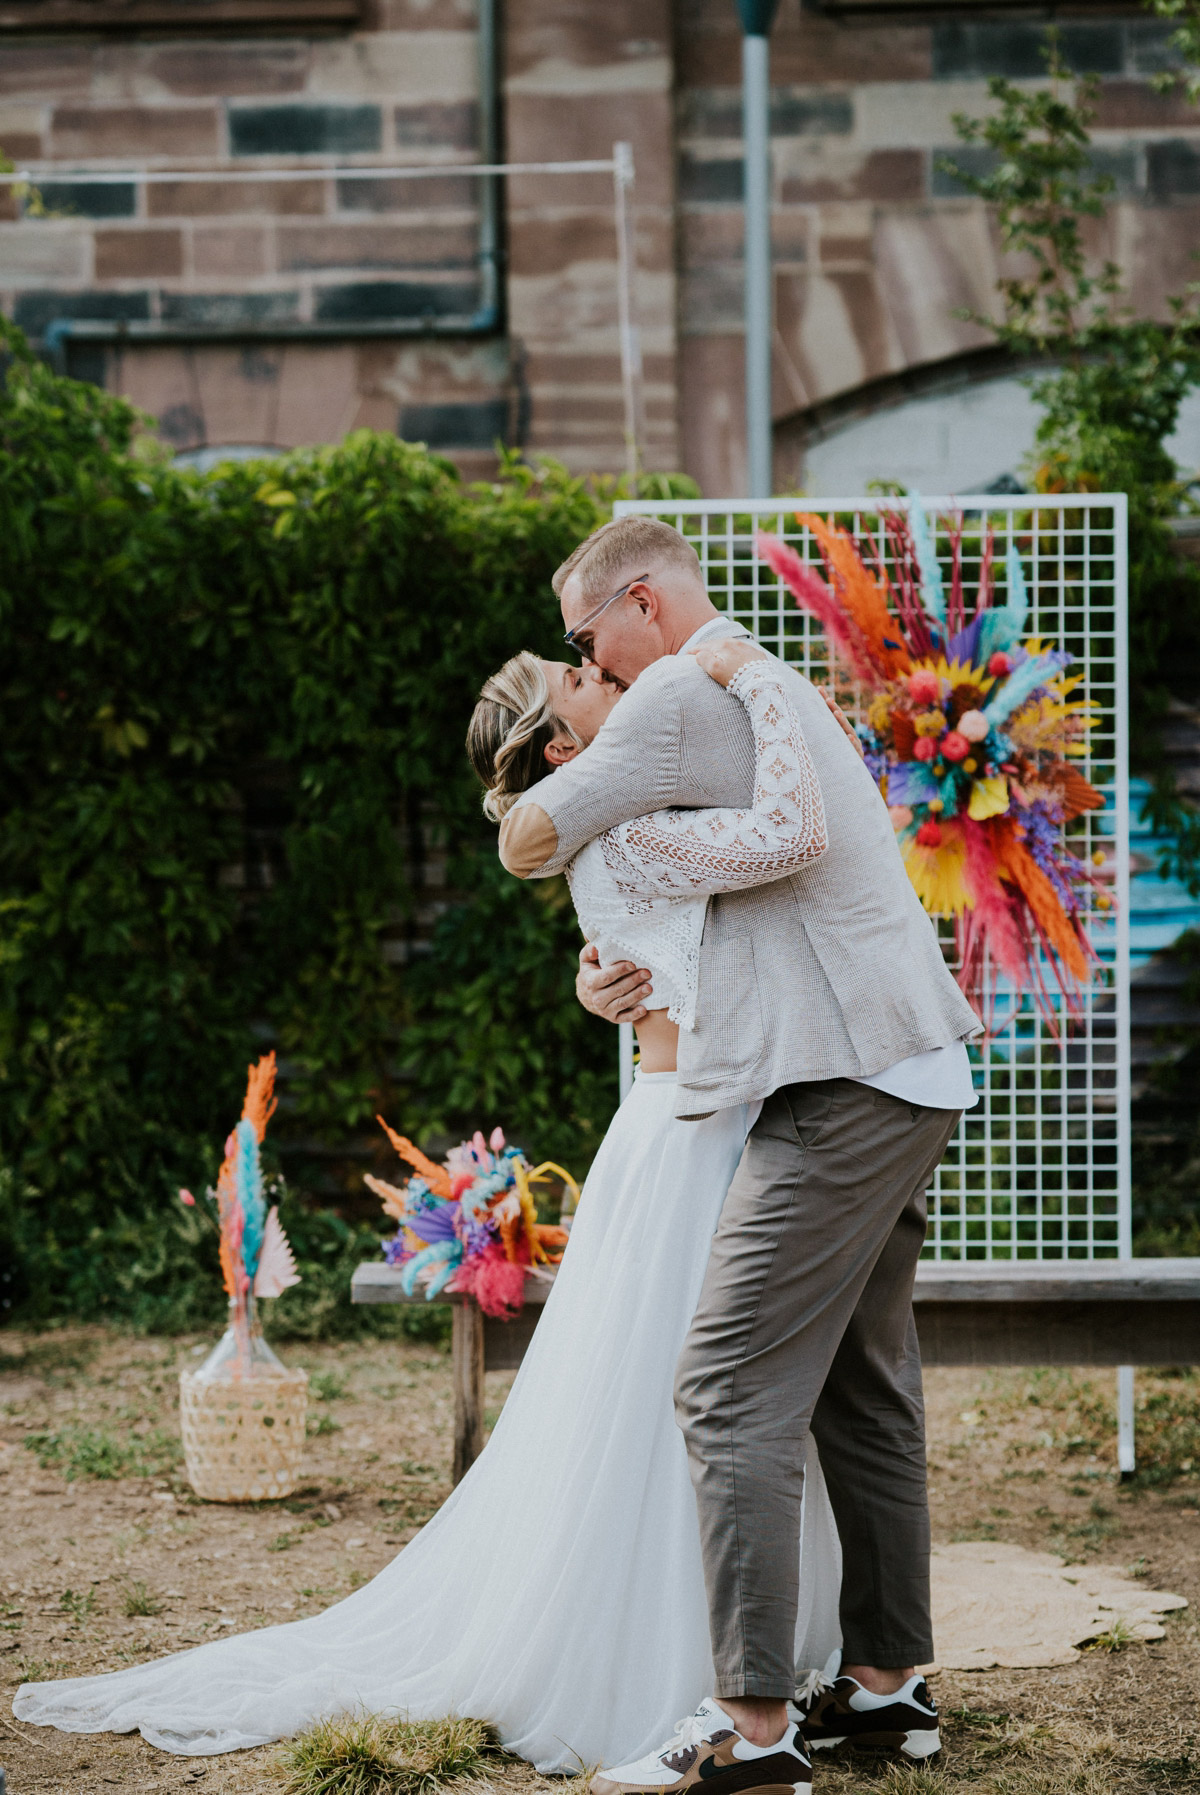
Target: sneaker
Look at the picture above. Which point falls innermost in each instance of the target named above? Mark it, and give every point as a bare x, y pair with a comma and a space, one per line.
843, 1712
706, 1750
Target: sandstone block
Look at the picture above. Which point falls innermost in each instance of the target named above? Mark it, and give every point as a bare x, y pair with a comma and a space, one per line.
437, 194
198, 69
713, 298
31, 252
412, 67
20, 146
304, 129
317, 393
933, 264
802, 43
141, 131
1136, 106
138, 254
566, 78
881, 175
236, 390
549, 245
414, 15
582, 36
449, 126
369, 246
230, 250
542, 128
50, 69
217, 198
1160, 244
717, 112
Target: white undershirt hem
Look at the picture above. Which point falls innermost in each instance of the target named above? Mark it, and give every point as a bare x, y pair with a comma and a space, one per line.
939, 1079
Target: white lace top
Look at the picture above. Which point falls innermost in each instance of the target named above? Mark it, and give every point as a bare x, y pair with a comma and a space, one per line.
641, 890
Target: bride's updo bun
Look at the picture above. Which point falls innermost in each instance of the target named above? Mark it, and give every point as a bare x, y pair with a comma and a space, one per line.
511, 727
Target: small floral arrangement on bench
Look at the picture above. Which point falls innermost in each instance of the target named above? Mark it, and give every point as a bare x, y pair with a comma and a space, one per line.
469, 1226
971, 728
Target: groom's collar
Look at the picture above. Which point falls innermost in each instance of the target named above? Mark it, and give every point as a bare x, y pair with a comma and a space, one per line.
723, 628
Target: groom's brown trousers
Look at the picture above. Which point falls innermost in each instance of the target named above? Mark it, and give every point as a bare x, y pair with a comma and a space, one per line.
805, 1321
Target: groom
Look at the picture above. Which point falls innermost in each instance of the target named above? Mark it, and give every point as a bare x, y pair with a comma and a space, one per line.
826, 996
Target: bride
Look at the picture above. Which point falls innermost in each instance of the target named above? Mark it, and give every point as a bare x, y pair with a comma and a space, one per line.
559, 1591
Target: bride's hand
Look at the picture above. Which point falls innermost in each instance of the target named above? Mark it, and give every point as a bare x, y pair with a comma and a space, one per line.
721, 660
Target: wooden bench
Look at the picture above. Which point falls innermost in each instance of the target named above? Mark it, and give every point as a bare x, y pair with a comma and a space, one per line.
1079, 1312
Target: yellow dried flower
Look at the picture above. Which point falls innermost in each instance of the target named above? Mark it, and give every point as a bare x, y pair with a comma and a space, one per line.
879, 713
930, 722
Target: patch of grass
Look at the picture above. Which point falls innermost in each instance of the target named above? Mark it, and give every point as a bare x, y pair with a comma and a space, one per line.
363, 1754
47, 1356
1168, 1432
1114, 1639
1173, 1773
321, 1424
80, 1604
96, 1452
139, 1601
326, 1386
39, 1670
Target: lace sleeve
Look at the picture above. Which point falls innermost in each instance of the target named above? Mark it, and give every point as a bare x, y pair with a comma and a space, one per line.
676, 853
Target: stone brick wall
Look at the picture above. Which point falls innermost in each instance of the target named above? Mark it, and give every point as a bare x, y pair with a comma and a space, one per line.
272, 312
875, 248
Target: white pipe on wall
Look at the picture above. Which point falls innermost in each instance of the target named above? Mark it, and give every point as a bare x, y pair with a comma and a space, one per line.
756, 101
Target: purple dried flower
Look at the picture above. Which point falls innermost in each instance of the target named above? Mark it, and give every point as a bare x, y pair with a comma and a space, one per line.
1044, 841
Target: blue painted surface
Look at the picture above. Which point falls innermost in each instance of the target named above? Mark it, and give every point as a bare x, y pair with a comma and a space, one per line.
1160, 910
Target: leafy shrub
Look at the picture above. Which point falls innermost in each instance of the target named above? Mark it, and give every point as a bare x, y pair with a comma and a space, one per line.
234, 708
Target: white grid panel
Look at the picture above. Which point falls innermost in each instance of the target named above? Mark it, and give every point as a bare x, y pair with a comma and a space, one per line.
1040, 1169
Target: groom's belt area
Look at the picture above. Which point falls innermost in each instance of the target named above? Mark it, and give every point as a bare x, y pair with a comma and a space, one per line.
527, 840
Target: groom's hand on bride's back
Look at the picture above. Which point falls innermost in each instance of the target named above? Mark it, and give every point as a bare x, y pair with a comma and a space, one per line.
613, 992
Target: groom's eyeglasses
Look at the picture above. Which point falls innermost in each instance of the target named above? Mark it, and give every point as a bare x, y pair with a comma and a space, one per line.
580, 638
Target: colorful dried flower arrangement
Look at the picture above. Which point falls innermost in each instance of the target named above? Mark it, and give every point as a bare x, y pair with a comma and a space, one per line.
970, 733
469, 1225
256, 1258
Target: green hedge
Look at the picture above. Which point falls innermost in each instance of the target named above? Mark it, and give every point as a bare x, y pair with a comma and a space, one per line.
173, 645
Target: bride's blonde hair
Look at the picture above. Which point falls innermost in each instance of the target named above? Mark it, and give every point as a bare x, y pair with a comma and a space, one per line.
511, 727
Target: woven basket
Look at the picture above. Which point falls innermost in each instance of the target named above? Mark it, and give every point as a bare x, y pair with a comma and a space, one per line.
243, 1437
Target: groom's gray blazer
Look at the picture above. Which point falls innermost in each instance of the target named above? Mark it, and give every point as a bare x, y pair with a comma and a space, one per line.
831, 972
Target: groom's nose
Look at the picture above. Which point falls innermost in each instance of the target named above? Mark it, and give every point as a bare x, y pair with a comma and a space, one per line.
592, 671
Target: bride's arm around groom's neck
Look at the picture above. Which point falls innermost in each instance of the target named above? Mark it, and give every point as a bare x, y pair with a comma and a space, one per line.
631, 768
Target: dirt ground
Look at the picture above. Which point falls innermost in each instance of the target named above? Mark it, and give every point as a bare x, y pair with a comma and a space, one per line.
107, 1558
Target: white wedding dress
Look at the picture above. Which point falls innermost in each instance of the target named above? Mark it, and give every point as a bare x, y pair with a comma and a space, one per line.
559, 1591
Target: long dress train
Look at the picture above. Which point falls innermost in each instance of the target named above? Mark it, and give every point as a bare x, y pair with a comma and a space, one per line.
559, 1591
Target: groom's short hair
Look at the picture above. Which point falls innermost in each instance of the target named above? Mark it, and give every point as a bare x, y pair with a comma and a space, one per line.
626, 546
